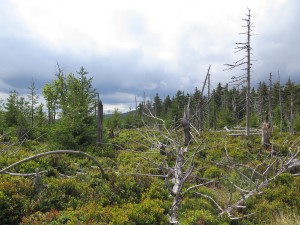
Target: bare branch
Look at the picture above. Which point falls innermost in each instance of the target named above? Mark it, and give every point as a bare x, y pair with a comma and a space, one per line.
211, 199
144, 174
52, 153
198, 185
25, 174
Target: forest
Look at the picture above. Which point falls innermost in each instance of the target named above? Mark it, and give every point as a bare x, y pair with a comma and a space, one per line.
224, 156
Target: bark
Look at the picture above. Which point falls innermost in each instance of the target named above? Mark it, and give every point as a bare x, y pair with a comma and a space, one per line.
280, 104
215, 112
248, 74
265, 135
208, 101
270, 103
292, 114
22, 134
99, 121
200, 109
177, 187
186, 124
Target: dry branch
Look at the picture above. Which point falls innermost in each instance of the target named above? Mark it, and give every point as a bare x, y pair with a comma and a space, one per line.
53, 153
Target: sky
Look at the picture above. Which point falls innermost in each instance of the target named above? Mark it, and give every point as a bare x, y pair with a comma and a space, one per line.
134, 48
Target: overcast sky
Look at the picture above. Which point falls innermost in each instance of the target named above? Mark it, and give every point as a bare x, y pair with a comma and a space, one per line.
132, 47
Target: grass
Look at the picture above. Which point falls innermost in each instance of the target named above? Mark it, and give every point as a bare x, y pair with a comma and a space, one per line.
283, 219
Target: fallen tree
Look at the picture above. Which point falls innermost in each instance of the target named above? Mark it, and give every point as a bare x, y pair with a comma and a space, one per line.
8, 168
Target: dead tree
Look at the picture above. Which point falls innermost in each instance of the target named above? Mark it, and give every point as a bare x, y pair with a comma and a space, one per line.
265, 136
200, 105
99, 118
261, 103
253, 178
215, 111
208, 102
270, 103
244, 61
186, 124
280, 104
177, 156
292, 114
37, 182
7, 169
22, 134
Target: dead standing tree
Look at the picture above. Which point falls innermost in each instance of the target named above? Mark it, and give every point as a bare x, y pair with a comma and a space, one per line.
177, 156
270, 103
280, 103
99, 119
186, 124
201, 106
244, 61
265, 136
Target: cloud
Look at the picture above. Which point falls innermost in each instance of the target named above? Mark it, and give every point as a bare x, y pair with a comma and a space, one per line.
277, 44
135, 47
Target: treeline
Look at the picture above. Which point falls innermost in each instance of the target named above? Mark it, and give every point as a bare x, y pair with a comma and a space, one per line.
68, 118
275, 103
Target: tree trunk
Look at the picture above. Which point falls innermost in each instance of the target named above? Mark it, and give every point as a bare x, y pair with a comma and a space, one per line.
208, 101
22, 134
248, 75
186, 124
200, 103
280, 104
270, 103
99, 121
215, 112
292, 114
178, 183
265, 135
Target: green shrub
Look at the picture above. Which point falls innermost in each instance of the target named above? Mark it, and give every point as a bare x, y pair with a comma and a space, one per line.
213, 172
15, 196
157, 190
284, 179
280, 196
201, 217
103, 150
148, 212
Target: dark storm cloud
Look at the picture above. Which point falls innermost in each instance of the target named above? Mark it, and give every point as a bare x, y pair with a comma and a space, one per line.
123, 73
23, 57
277, 45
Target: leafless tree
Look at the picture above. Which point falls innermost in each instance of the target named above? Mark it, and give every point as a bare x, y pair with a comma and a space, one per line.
99, 119
280, 104
244, 61
253, 178
176, 164
186, 124
200, 108
265, 136
292, 114
208, 101
270, 103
